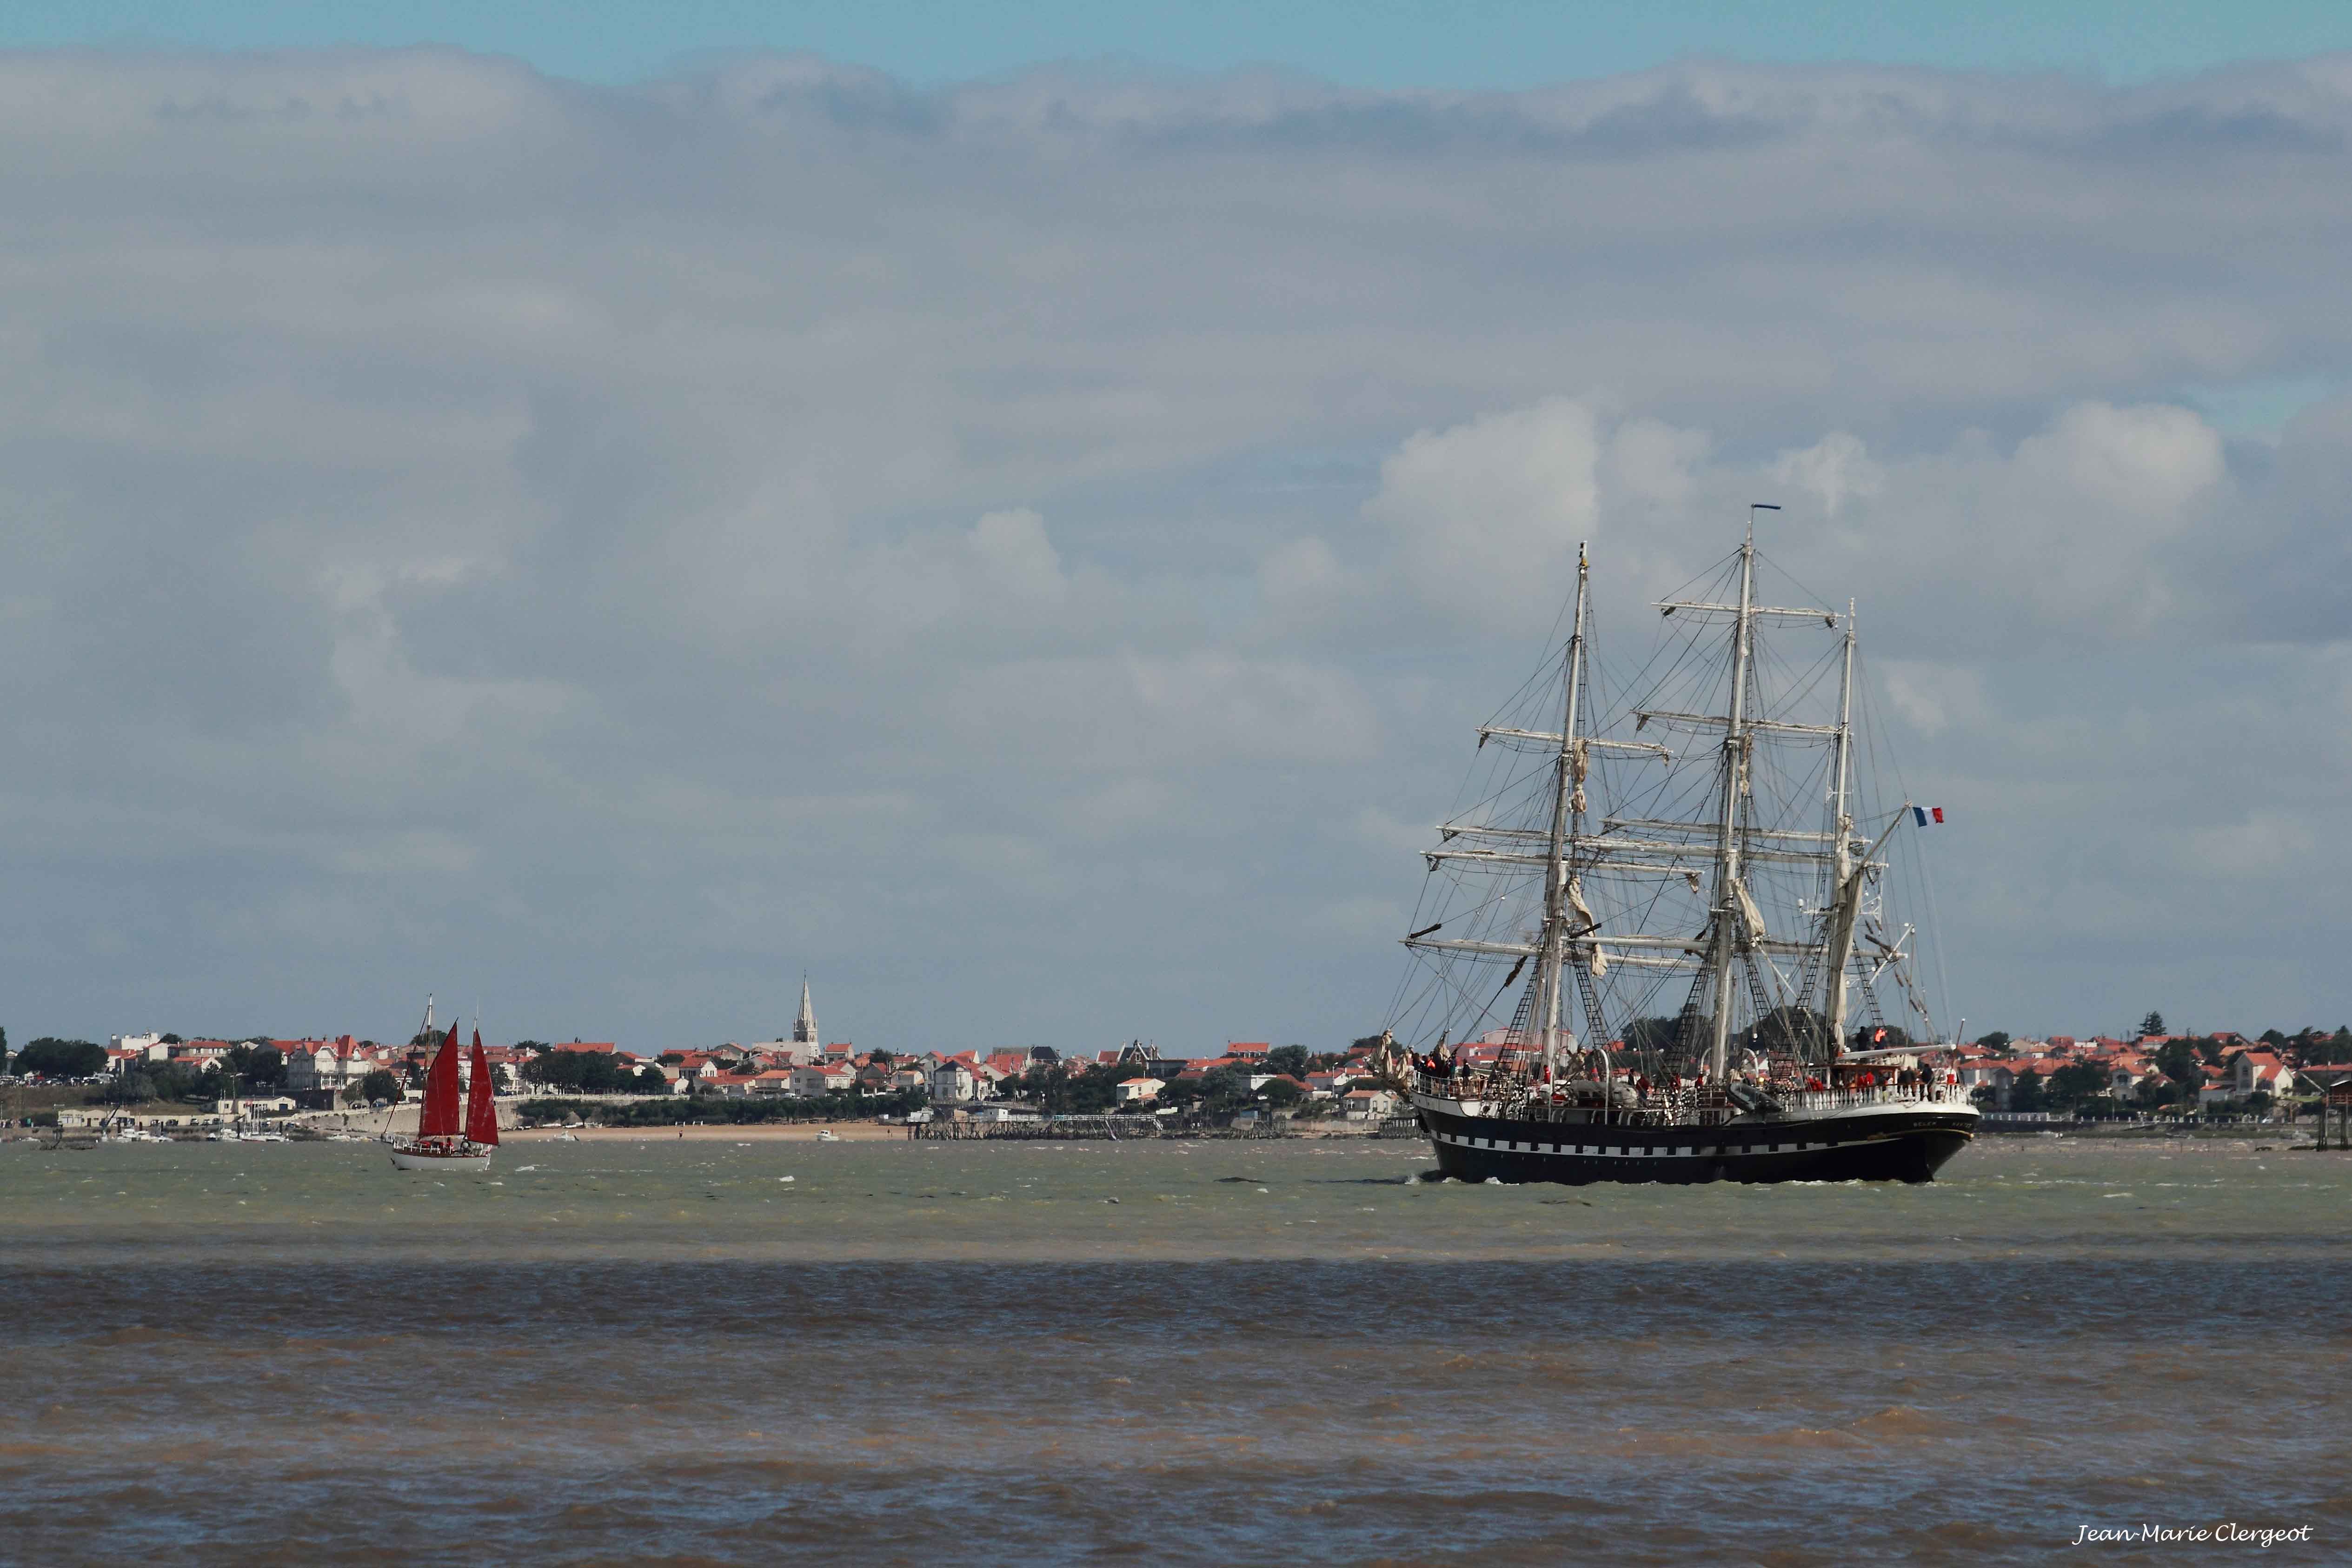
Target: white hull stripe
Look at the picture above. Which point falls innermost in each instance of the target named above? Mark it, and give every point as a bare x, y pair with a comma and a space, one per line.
1630, 1151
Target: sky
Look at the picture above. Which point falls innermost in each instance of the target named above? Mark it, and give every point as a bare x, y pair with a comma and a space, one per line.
1482, 44
596, 531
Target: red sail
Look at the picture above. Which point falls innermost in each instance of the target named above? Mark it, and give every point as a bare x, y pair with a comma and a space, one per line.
481, 1116
439, 1117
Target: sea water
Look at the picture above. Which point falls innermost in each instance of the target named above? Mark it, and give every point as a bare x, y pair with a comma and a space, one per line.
1213, 1352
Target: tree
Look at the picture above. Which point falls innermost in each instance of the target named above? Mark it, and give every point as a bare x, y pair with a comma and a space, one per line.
3, 1052
2073, 1084
1291, 1060
1995, 1040
131, 1087
2177, 1060
2153, 1023
52, 1058
259, 1067
1226, 1088
1281, 1093
380, 1085
585, 1072
1651, 1034
1786, 1030
1368, 1042
2025, 1094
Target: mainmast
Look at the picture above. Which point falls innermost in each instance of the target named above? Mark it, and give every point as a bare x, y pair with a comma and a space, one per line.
1565, 792
1730, 897
1840, 933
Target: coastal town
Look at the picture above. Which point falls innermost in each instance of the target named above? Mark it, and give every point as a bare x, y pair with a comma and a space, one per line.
164, 1081
2156, 1072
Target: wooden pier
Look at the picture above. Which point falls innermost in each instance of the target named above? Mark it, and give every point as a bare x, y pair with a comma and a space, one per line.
2337, 1101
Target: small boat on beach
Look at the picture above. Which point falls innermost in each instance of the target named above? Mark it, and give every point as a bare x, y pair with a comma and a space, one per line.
445, 1141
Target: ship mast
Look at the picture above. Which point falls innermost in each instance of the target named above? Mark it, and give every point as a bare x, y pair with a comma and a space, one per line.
1730, 896
1565, 786
1840, 933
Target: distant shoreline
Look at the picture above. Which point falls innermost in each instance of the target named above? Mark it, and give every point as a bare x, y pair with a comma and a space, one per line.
712, 1132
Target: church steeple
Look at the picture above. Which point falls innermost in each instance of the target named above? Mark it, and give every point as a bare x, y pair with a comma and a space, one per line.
805, 1026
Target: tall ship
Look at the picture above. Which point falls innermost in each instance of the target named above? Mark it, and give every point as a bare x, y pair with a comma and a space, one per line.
1665, 938
449, 1139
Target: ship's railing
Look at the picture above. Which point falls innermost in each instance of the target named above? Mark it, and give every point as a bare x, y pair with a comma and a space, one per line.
1582, 1100
1950, 1094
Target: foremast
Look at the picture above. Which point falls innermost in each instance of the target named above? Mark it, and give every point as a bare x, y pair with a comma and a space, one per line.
1728, 897
1566, 826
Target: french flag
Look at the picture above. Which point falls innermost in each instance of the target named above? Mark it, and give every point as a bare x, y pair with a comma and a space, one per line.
1924, 812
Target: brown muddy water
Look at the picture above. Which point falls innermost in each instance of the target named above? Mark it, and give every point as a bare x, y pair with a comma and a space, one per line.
1215, 1353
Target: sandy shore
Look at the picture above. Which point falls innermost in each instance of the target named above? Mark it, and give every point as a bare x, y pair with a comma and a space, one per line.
758, 1132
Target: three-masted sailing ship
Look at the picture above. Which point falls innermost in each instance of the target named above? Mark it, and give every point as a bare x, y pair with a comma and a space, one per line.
1684, 891
445, 1140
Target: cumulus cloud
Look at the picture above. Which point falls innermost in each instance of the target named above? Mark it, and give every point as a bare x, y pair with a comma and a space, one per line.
1832, 470
1485, 511
615, 546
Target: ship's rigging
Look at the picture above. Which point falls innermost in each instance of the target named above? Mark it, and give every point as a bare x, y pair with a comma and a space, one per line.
1677, 868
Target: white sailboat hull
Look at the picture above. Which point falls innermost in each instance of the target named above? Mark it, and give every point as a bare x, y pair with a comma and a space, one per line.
471, 1160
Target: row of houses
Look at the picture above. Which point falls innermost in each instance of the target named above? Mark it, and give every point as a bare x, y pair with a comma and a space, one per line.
2246, 1068
799, 1067
317, 1066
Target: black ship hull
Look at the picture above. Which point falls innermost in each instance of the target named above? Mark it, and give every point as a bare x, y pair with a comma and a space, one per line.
1889, 1143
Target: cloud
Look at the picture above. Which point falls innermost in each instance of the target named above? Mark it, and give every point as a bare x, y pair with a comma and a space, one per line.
1485, 511
2262, 844
1833, 470
1932, 698
616, 546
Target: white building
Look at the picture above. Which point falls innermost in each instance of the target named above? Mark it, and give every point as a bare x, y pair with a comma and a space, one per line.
810, 1082
312, 1065
956, 1080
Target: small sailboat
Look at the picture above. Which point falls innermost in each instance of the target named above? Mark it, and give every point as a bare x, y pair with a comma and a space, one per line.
444, 1143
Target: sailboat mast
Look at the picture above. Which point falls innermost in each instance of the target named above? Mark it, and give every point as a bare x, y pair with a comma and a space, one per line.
1564, 788
1728, 868
1841, 815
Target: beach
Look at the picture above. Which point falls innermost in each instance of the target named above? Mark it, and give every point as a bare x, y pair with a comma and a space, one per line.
751, 1133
